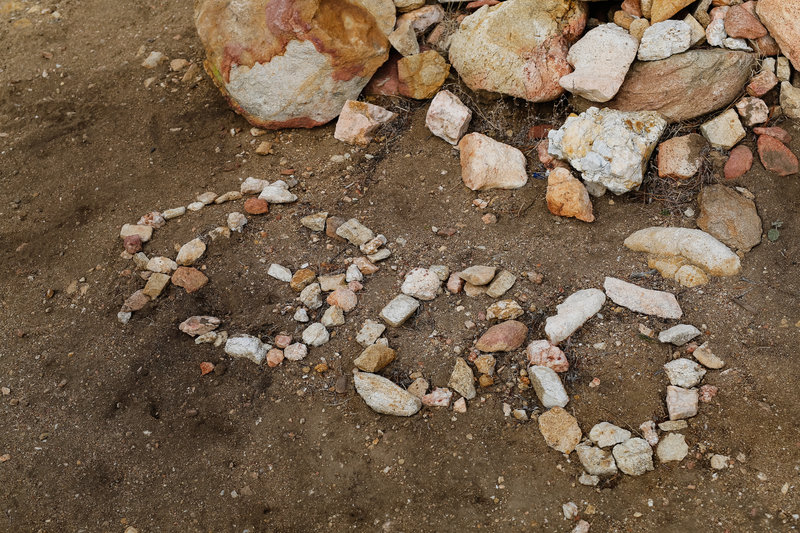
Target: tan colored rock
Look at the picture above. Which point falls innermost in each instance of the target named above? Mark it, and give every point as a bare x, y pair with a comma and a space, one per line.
155, 285
664, 9
696, 246
681, 157
478, 275
359, 121
290, 64
782, 19
385, 397
421, 75
729, 216
724, 131
560, 430
677, 87
374, 358
567, 196
489, 164
384, 12
518, 47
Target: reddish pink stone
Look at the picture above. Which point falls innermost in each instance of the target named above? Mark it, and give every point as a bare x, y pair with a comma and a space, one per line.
282, 341
135, 301
454, 284
762, 83
546, 159
132, 244
189, 278
707, 393
542, 353
739, 162
632, 7
504, 337
438, 397
740, 23
256, 206
776, 156
774, 131
344, 299
274, 357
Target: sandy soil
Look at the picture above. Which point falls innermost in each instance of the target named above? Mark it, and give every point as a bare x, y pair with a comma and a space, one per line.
109, 425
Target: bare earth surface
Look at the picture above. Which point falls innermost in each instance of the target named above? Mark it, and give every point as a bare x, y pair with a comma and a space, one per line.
109, 425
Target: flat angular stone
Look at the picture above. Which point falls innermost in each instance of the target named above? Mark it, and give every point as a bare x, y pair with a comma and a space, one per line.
776, 156
190, 279
302, 279
729, 216
548, 386
332, 317
311, 296
359, 121
678, 87
355, 232
739, 162
296, 351
332, 282
343, 298
634, 456
681, 403
724, 131
605, 434
489, 164
316, 335
679, 335
560, 430
649, 302
383, 396
595, 461
281, 273
438, 397
315, 222
163, 265
780, 17
155, 285
681, 157
144, 232
374, 358
572, 313
447, 117
753, 111
462, 380
696, 246
252, 185
672, 447
369, 332
399, 310
199, 325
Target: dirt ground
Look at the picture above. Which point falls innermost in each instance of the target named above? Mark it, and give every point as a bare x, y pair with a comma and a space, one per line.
109, 425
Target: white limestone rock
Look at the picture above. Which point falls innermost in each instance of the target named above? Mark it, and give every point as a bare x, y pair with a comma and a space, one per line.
608, 147
601, 59
634, 456
684, 373
548, 386
248, 347
448, 118
489, 164
572, 313
316, 335
664, 39
279, 272
399, 310
595, 461
606, 434
678, 335
672, 447
421, 284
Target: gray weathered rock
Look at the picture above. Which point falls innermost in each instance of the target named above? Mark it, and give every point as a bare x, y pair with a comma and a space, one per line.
634, 456
684, 373
678, 335
672, 447
355, 232
596, 461
399, 310
501, 284
664, 39
606, 434
369, 332
311, 296
659, 303
730, 217
248, 347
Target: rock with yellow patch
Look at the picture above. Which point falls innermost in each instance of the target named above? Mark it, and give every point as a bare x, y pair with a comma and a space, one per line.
610, 148
421, 75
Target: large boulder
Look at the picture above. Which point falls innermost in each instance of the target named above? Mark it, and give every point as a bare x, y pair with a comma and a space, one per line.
782, 19
284, 64
518, 47
683, 86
